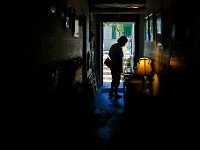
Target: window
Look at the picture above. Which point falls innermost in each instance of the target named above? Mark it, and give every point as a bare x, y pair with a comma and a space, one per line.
146, 28
151, 28
159, 29
114, 36
128, 30
121, 29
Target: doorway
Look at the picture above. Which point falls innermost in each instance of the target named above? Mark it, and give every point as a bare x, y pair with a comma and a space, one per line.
111, 32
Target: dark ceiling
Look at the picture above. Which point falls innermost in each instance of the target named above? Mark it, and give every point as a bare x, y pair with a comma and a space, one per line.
122, 6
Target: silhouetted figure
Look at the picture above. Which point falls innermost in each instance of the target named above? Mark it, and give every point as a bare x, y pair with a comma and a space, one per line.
116, 56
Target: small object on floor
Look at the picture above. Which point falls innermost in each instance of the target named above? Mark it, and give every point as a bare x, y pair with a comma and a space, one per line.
118, 96
110, 95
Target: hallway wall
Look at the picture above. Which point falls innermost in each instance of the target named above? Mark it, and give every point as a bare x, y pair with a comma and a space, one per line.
178, 52
52, 50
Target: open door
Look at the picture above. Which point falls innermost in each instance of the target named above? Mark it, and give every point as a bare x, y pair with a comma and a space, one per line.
111, 32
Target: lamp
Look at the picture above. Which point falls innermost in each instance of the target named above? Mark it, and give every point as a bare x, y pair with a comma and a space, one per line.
143, 69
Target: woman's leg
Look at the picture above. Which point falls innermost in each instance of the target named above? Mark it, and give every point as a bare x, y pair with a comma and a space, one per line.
117, 82
116, 76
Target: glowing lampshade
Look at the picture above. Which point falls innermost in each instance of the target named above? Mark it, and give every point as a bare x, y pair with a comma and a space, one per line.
143, 67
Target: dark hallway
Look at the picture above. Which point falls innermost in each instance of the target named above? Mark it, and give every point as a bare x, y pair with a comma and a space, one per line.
66, 106
108, 114
140, 120
134, 121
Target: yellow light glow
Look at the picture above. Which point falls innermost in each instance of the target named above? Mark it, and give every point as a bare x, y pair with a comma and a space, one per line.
144, 67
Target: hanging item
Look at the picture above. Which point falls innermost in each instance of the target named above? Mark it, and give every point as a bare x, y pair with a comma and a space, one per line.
107, 62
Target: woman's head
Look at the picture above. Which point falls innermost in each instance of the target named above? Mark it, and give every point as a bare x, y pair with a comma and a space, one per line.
122, 40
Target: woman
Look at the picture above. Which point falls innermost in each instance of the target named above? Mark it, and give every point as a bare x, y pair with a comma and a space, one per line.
116, 56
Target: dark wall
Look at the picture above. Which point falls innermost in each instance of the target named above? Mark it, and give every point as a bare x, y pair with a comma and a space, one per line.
54, 58
53, 89
179, 56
